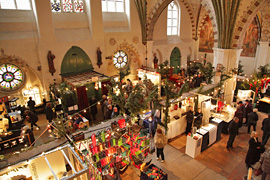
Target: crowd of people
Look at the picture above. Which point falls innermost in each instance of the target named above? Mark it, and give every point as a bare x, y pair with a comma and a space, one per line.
245, 115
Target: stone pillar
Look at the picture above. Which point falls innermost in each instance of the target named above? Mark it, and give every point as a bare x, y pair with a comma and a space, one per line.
150, 56
262, 53
229, 58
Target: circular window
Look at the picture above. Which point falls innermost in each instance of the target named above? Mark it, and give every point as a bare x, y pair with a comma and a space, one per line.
11, 77
120, 59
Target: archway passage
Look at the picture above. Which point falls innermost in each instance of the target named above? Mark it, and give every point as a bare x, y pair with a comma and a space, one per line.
75, 61
175, 60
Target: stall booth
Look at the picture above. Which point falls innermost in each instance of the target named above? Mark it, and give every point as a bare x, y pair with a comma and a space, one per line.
124, 143
61, 163
210, 131
177, 115
87, 85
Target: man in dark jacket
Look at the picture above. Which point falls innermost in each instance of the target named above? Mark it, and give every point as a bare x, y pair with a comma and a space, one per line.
252, 120
248, 109
266, 130
32, 118
49, 112
233, 131
198, 119
189, 119
31, 104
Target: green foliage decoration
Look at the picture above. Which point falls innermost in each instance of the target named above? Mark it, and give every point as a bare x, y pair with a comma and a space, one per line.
208, 72
117, 93
240, 70
136, 102
67, 95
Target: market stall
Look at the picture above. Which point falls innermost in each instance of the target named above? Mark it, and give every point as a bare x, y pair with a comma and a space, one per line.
178, 121
60, 163
120, 146
87, 85
10, 130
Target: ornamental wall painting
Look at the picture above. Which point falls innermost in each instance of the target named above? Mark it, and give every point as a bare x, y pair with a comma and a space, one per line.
206, 42
250, 41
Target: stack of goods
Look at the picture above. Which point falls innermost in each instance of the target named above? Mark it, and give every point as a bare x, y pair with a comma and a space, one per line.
153, 172
108, 148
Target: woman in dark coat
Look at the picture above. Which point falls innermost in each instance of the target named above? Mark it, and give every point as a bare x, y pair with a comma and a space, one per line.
254, 150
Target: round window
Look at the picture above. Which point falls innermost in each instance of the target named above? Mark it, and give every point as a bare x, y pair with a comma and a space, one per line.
120, 59
11, 77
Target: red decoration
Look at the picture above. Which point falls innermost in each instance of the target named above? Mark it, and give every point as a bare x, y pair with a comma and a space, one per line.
250, 85
94, 139
122, 123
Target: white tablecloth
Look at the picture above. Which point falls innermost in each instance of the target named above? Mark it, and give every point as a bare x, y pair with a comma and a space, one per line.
176, 127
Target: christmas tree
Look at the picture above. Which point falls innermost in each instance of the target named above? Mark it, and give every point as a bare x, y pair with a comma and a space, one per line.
117, 93
240, 71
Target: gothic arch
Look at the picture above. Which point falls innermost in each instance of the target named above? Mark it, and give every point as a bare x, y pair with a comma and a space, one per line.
158, 9
245, 20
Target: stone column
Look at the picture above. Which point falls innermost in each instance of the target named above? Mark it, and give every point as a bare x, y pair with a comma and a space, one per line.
262, 53
150, 56
229, 58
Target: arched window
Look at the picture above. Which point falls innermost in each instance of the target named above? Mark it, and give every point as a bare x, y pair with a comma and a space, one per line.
11, 77
113, 6
173, 19
120, 59
15, 4
67, 5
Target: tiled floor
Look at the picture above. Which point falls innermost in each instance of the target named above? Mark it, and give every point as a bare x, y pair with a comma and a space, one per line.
229, 164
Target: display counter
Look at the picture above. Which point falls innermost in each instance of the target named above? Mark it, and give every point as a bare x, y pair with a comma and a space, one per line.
205, 138
194, 145
212, 129
226, 115
176, 127
264, 105
218, 123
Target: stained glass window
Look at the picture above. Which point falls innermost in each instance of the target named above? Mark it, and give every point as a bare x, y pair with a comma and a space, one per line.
173, 19
112, 5
15, 4
67, 5
11, 77
56, 6
120, 59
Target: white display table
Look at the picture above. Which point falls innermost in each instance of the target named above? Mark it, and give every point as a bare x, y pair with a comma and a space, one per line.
193, 146
212, 129
177, 127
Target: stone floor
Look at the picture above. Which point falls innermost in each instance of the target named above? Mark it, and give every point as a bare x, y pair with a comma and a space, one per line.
215, 163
